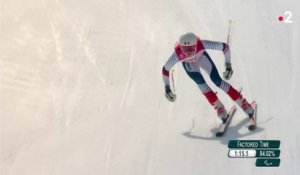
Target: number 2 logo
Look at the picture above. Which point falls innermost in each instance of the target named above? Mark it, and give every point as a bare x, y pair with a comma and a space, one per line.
288, 15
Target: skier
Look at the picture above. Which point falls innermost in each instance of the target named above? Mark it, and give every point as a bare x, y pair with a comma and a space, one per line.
191, 51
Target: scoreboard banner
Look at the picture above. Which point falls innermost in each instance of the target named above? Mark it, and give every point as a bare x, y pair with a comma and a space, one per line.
266, 151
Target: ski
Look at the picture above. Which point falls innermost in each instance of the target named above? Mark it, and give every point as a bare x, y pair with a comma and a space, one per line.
252, 121
223, 127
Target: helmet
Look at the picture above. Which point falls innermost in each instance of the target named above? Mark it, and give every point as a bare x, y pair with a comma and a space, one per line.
187, 43
188, 39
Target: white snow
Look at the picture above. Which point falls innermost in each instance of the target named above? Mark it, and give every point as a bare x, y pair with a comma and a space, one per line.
81, 90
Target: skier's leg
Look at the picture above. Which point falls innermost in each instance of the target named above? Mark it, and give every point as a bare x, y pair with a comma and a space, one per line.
207, 64
193, 71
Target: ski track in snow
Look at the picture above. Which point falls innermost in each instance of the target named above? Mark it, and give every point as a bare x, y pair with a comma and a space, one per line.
128, 81
108, 151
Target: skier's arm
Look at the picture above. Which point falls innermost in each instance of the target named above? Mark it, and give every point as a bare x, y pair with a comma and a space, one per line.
167, 67
166, 76
214, 45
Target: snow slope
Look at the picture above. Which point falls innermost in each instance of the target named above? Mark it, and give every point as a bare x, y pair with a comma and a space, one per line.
81, 90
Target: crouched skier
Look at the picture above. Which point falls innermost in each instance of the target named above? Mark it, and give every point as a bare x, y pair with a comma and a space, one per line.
191, 51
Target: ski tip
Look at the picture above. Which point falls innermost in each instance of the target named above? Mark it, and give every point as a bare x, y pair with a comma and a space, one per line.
219, 134
232, 109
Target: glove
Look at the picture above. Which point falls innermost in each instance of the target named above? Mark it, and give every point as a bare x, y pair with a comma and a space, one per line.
169, 94
228, 72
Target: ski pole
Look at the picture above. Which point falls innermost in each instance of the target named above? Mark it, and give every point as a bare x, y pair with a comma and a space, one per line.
229, 32
172, 71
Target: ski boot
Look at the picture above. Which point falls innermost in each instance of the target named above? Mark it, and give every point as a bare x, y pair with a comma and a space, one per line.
242, 102
221, 111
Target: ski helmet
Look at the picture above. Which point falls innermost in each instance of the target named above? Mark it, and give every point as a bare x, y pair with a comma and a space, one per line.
187, 43
188, 39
